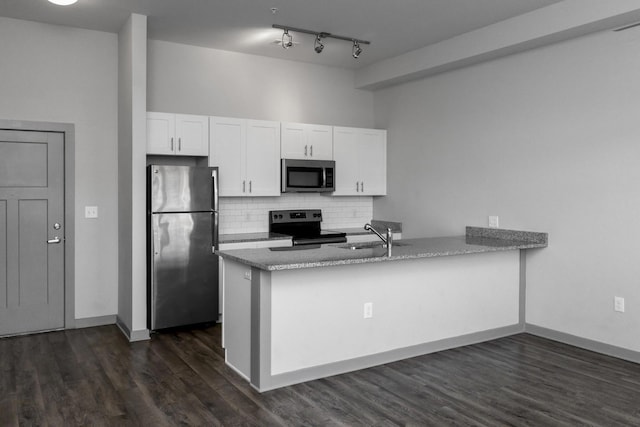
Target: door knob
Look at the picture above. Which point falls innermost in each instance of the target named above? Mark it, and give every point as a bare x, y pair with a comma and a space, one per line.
54, 240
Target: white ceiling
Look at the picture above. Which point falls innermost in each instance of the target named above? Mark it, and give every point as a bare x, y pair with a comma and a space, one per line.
393, 26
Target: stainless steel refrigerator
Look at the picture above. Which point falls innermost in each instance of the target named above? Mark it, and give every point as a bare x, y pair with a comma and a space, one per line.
182, 224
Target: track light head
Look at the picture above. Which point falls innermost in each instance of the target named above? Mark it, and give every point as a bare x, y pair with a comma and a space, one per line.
287, 39
318, 46
357, 50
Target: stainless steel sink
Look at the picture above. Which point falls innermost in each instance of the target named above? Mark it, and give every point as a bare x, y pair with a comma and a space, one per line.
368, 245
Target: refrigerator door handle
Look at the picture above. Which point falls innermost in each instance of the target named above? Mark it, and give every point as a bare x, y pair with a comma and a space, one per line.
214, 234
214, 177
155, 243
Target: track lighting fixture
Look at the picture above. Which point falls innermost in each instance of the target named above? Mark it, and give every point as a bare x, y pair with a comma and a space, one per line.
318, 46
289, 39
357, 50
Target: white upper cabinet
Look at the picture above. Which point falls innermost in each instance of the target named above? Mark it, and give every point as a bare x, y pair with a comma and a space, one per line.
263, 158
361, 161
247, 154
177, 134
305, 141
161, 131
226, 151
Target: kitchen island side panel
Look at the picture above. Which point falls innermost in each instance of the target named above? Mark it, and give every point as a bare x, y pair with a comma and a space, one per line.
317, 314
236, 326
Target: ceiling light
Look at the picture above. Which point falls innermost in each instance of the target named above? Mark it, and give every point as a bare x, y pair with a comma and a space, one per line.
357, 50
318, 46
289, 39
63, 2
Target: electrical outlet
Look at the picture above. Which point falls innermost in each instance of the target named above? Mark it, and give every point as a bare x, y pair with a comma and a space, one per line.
368, 310
618, 304
493, 221
247, 275
91, 212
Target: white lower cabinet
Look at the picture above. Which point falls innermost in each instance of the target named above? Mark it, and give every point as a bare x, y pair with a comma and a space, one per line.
361, 161
247, 154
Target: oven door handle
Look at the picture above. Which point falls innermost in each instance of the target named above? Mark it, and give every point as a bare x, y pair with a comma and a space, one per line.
318, 241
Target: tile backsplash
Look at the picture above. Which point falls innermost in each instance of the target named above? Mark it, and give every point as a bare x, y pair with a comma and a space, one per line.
251, 214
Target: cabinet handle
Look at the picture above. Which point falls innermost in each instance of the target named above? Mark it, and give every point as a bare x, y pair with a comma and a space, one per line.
179, 144
250, 186
305, 150
357, 187
171, 143
362, 187
312, 151
244, 186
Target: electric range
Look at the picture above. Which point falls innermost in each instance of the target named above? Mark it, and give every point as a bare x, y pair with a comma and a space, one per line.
304, 228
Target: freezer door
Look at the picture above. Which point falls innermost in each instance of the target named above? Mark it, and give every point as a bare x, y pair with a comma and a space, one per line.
184, 270
181, 188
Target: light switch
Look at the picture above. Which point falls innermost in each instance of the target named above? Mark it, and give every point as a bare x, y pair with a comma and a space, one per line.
493, 221
91, 212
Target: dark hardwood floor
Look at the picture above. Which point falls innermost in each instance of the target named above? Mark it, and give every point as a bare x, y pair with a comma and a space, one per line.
95, 377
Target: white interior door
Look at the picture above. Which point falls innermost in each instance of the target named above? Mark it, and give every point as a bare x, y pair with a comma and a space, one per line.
31, 231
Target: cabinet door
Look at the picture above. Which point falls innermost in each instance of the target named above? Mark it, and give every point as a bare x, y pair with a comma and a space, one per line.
263, 158
226, 139
373, 162
345, 153
192, 134
320, 140
307, 142
160, 133
293, 143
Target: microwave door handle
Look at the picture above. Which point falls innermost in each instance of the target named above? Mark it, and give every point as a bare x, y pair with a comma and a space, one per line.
324, 177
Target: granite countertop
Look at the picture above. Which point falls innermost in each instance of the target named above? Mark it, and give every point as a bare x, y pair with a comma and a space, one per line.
251, 237
476, 240
264, 236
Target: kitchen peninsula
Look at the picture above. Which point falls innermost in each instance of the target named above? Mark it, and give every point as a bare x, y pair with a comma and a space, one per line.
292, 316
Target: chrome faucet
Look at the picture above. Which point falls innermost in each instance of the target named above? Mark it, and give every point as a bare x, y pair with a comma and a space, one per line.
388, 241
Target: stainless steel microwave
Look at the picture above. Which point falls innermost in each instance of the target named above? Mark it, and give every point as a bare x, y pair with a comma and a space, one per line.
308, 176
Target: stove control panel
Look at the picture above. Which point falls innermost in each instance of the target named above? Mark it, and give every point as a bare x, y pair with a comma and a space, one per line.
291, 216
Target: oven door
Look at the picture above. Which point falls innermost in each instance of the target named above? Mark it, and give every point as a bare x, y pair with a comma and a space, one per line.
307, 176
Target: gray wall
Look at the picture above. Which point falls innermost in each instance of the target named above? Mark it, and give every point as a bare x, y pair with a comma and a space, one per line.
58, 74
195, 80
547, 140
132, 124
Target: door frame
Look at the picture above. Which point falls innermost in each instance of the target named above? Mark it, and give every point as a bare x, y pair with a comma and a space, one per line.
68, 131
